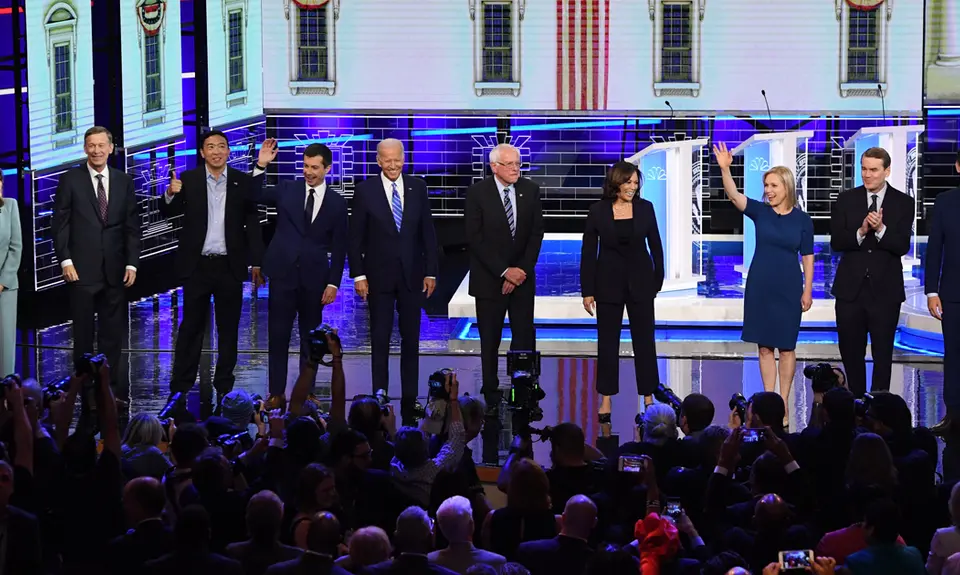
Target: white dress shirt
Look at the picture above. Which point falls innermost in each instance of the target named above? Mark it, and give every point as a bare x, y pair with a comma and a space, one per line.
318, 193
388, 190
882, 193
106, 190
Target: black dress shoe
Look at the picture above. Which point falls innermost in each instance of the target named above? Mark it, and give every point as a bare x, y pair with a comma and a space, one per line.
943, 427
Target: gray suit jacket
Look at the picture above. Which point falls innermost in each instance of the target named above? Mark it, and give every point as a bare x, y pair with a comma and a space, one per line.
11, 244
461, 557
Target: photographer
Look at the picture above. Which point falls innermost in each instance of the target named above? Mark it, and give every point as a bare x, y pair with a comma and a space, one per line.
412, 469
577, 468
367, 416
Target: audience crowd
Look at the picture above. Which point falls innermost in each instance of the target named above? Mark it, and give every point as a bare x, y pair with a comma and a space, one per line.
253, 490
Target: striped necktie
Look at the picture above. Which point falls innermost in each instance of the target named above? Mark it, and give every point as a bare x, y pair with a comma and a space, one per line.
397, 207
508, 207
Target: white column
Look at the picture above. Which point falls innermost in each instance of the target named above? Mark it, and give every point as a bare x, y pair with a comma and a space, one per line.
949, 54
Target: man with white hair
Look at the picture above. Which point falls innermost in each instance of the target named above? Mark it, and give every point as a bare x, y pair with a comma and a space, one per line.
504, 221
393, 263
413, 541
455, 519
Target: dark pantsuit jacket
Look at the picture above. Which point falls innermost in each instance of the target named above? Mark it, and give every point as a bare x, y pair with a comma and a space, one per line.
942, 277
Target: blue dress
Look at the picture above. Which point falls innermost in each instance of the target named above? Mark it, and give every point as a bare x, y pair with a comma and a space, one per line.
771, 304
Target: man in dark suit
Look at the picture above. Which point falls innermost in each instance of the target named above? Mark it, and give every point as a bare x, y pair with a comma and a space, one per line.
96, 236
263, 549
942, 286
504, 223
148, 538
413, 541
306, 256
870, 226
191, 552
393, 262
323, 541
568, 552
219, 237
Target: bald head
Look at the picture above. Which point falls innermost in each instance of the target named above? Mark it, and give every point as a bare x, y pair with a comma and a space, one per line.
579, 517
771, 512
738, 571
143, 498
323, 536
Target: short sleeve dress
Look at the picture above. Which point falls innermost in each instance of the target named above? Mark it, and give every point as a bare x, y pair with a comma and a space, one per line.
771, 304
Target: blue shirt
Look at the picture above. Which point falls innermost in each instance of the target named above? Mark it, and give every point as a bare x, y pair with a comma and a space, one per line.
215, 243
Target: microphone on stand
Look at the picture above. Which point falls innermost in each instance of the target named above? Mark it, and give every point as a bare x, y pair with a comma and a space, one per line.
769, 116
667, 102
883, 104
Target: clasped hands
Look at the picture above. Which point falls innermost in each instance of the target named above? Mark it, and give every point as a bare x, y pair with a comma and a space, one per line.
873, 221
513, 278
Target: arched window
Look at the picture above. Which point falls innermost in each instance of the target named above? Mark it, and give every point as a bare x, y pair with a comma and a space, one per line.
61, 30
313, 29
864, 33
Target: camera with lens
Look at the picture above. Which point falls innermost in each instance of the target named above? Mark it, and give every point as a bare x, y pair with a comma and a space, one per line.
319, 346
54, 391
525, 390
738, 403
437, 385
823, 377
664, 394
384, 400
862, 405
234, 442
174, 409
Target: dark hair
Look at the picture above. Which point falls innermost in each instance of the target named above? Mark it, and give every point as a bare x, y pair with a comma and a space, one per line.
617, 175
209, 475
148, 493
481, 569
568, 439
314, 150
308, 481
767, 474
891, 410
207, 135
513, 568
839, 405
877, 154
188, 443
365, 416
722, 563
97, 130
769, 407
884, 517
344, 444
323, 535
410, 447
699, 411
192, 530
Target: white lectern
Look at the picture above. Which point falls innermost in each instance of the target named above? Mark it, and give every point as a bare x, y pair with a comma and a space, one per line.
901, 142
760, 153
673, 183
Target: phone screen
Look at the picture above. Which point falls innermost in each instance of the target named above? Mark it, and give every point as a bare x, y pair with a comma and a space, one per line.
751, 435
796, 559
673, 508
631, 464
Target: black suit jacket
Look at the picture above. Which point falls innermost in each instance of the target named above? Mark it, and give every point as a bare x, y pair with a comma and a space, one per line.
306, 564
558, 556
241, 225
942, 267
256, 558
602, 273
100, 251
407, 565
192, 564
382, 253
880, 257
492, 249
128, 552
24, 554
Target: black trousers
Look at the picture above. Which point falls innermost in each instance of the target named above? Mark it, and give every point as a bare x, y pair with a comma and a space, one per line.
857, 318
951, 355
108, 304
642, 333
212, 277
407, 304
491, 313
290, 298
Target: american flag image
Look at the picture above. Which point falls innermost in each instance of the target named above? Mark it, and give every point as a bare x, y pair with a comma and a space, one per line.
576, 395
583, 44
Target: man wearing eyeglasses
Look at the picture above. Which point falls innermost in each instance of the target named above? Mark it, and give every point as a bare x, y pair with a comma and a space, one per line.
504, 222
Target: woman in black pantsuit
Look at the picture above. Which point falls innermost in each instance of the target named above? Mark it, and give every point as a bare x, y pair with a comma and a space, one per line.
622, 273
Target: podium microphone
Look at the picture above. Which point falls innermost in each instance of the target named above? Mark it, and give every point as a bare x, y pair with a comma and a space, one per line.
883, 104
769, 116
667, 102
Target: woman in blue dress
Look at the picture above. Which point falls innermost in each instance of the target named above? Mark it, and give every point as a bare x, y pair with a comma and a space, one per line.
777, 292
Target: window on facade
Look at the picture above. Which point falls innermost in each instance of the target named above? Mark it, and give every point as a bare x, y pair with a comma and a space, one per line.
236, 82
677, 43
62, 87
312, 44
863, 47
151, 67
497, 42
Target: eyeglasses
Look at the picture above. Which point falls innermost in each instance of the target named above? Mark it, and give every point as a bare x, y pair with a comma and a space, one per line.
512, 165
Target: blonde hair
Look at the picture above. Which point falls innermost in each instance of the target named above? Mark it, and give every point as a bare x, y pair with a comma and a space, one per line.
786, 177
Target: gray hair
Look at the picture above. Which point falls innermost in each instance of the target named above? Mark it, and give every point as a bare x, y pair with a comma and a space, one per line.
414, 531
389, 143
472, 410
659, 424
495, 152
455, 519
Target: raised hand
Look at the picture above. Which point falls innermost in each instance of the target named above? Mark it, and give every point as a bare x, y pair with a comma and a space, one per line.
268, 152
175, 184
723, 156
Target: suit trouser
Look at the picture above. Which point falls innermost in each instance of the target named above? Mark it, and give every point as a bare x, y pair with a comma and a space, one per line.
491, 313
212, 277
107, 304
407, 304
642, 333
951, 354
8, 331
290, 298
856, 318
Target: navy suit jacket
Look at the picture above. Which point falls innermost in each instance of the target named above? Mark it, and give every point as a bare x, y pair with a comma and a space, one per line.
942, 267
558, 556
320, 251
381, 252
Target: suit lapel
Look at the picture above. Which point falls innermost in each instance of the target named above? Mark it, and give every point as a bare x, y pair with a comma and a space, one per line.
295, 196
115, 200
201, 193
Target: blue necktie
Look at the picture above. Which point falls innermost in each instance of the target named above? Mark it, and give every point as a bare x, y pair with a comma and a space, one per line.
508, 207
397, 207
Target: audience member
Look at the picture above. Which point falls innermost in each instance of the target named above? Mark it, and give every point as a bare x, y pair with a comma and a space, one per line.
527, 516
946, 541
263, 519
191, 548
455, 519
148, 537
141, 456
368, 546
413, 540
323, 541
569, 552
883, 556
